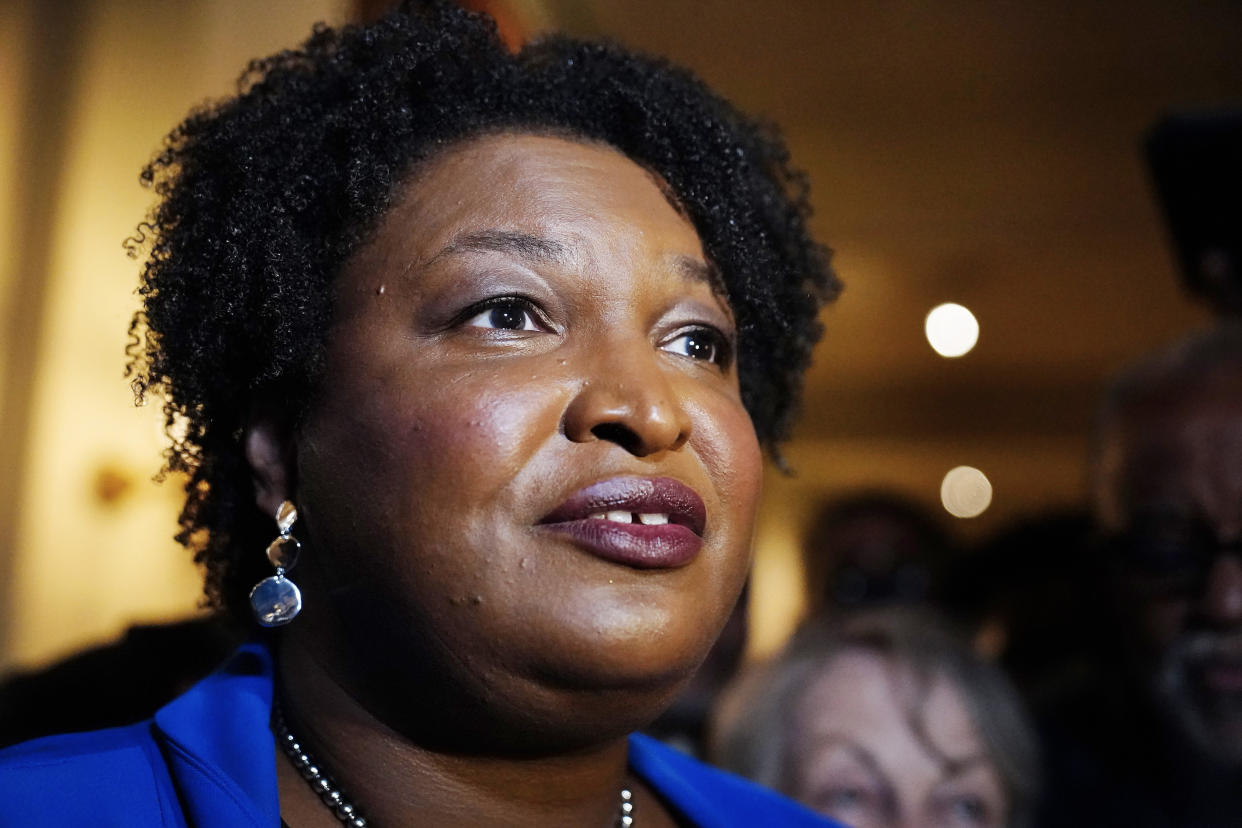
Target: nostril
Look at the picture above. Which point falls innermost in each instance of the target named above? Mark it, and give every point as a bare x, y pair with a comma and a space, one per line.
620, 434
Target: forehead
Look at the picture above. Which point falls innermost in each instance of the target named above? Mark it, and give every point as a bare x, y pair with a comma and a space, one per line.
1183, 451
586, 195
866, 698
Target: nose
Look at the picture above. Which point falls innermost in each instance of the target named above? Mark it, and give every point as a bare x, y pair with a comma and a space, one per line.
1222, 594
627, 398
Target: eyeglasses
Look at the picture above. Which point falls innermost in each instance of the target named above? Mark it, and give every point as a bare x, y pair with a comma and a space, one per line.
1175, 547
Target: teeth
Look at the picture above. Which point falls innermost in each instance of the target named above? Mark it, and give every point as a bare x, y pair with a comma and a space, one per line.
646, 518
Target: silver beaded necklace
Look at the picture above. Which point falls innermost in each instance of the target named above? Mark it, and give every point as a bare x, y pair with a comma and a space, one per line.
343, 809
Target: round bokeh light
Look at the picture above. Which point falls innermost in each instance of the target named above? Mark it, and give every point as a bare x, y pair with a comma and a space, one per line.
951, 329
965, 492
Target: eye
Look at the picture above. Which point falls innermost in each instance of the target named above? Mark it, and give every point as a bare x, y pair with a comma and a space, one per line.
852, 804
969, 810
506, 313
844, 798
702, 344
966, 811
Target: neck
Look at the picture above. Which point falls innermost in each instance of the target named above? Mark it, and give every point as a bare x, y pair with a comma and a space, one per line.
395, 782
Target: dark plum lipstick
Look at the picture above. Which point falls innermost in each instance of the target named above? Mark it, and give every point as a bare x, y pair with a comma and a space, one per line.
643, 522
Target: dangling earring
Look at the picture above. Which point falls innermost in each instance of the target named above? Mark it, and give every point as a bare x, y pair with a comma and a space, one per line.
276, 600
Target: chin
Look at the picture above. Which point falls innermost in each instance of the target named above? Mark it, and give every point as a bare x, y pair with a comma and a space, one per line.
580, 719
638, 668
625, 669
1214, 734
634, 642
580, 674
1210, 720
548, 715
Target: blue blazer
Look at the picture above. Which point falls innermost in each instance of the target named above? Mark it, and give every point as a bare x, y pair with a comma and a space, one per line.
208, 759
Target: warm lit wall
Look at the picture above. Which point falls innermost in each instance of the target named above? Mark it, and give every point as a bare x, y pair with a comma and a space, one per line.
91, 552
12, 77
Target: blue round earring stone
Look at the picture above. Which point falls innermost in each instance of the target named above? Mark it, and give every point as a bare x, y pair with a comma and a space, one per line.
275, 600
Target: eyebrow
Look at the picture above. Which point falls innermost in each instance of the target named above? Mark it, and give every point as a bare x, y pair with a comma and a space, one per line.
954, 768
523, 245
540, 249
863, 756
699, 271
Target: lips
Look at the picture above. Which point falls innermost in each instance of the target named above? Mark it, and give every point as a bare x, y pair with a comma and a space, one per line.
642, 522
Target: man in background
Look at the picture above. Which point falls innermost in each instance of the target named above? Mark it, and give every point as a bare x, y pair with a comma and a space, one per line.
1159, 743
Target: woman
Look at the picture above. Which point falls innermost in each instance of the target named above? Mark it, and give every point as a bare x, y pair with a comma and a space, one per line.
884, 719
488, 344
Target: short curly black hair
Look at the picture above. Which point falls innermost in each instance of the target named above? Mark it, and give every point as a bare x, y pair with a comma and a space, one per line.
264, 196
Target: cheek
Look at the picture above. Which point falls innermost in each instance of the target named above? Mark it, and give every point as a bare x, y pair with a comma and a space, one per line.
416, 495
725, 442
481, 430
414, 460
423, 426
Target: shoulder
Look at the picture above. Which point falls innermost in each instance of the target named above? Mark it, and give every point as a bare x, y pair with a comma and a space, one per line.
206, 758
711, 797
106, 777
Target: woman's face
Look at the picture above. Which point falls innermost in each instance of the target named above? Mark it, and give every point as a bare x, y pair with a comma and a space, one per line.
874, 750
527, 478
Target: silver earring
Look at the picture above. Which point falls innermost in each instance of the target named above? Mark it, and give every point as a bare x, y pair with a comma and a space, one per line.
276, 600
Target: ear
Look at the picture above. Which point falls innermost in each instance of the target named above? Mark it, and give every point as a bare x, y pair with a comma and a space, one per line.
270, 453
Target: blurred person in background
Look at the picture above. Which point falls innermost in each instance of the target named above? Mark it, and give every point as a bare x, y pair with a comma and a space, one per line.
872, 549
1004, 589
1160, 744
881, 719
